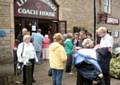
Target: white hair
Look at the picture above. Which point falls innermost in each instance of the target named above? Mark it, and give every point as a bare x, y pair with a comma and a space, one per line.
103, 29
46, 35
24, 30
26, 37
87, 43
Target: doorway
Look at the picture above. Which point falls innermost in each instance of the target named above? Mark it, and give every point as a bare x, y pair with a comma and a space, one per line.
46, 26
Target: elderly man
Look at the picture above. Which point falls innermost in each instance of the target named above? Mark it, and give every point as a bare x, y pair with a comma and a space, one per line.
20, 36
104, 50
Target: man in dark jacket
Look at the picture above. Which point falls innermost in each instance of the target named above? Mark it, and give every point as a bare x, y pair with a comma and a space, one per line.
20, 36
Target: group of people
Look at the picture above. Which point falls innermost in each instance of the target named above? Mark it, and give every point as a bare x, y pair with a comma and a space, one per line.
91, 61
75, 48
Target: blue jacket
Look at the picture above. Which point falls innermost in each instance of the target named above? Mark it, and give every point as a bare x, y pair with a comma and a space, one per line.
87, 66
37, 40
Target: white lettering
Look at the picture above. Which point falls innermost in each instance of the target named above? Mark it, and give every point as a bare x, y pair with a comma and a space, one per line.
49, 3
27, 11
35, 12
19, 10
45, 13
21, 2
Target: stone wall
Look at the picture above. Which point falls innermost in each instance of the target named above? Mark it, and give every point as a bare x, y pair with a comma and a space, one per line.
77, 13
115, 13
6, 25
81, 13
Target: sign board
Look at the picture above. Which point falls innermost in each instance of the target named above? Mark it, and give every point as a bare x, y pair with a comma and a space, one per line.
111, 20
44, 9
33, 27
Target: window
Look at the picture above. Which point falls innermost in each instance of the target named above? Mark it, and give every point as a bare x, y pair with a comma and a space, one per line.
106, 6
63, 27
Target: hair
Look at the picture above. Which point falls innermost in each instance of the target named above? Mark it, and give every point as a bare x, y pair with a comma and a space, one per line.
25, 37
76, 33
69, 35
102, 29
38, 30
58, 37
87, 43
24, 29
89, 34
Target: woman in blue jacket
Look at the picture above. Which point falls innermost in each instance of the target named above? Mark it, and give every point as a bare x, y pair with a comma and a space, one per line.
86, 63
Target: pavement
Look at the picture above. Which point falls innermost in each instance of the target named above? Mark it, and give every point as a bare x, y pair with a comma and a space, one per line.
42, 77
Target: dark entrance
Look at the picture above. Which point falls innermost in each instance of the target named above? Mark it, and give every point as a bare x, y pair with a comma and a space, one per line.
34, 14
47, 26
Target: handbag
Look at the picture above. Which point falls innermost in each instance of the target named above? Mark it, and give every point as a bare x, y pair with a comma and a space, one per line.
50, 72
19, 68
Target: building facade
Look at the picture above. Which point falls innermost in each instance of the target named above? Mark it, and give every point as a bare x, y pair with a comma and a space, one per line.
54, 16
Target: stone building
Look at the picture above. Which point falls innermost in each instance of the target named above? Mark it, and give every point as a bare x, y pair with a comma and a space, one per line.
53, 16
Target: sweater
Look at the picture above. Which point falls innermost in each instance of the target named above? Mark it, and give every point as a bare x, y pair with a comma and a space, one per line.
57, 56
26, 52
68, 46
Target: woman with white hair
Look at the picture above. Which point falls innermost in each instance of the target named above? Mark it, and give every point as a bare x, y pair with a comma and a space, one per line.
26, 53
86, 63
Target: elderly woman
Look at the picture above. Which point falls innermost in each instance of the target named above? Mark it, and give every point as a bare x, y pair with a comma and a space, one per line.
26, 53
57, 59
86, 64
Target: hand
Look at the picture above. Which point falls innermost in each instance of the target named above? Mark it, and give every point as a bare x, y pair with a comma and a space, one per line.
77, 48
97, 46
36, 60
110, 50
20, 64
100, 75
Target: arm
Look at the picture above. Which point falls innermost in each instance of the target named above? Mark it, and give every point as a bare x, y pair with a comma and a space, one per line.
63, 54
35, 56
19, 51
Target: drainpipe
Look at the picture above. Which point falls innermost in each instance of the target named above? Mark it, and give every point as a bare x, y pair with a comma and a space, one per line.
94, 21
